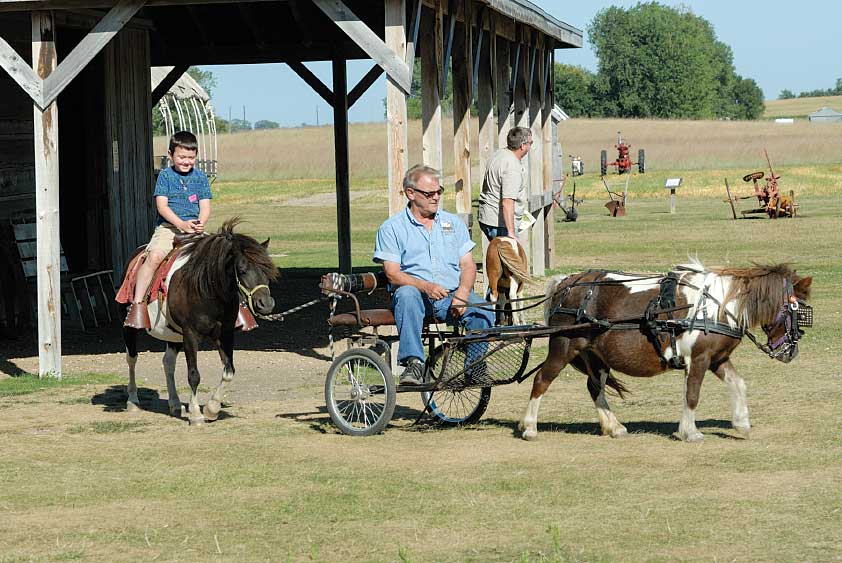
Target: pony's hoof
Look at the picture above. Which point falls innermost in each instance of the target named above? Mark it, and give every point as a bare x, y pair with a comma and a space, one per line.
210, 415
178, 411
693, 438
743, 431
198, 421
619, 432
132, 407
529, 435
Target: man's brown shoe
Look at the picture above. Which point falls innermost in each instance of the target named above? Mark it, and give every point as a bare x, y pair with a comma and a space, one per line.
138, 316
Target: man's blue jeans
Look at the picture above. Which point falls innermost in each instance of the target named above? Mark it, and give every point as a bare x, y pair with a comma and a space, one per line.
493, 232
411, 307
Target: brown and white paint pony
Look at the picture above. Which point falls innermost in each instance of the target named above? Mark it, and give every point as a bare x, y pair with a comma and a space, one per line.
507, 272
726, 301
205, 286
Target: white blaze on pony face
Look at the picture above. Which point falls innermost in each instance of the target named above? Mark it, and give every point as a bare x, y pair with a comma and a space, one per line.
634, 283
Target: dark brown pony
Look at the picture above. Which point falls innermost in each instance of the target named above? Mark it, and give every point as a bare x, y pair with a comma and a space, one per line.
692, 319
209, 279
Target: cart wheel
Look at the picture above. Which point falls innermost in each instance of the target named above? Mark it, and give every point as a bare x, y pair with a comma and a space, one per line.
456, 407
603, 162
360, 392
641, 161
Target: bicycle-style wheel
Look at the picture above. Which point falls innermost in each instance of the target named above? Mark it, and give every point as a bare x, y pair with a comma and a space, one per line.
360, 393
455, 406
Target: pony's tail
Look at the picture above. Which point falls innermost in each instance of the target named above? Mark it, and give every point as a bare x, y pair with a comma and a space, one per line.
552, 287
617, 386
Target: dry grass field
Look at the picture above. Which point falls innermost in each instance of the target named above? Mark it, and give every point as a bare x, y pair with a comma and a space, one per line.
800, 107
272, 480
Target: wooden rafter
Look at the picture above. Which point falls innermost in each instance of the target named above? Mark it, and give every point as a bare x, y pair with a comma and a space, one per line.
247, 13
364, 84
448, 44
412, 40
304, 32
307, 76
21, 72
394, 65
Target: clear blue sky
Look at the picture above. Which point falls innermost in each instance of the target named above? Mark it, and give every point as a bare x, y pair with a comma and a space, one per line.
779, 43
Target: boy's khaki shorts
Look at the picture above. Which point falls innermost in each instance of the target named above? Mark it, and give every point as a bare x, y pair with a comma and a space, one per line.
163, 238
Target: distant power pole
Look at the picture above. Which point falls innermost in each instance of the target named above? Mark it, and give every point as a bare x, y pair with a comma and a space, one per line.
317, 116
244, 117
230, 125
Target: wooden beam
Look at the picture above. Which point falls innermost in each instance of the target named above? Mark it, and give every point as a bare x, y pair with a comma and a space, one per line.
249, 18
89, 47
412, 40
431, 53
343, 180
20, 72
550, 148
392, 62
461, 62
364, 84
312, 80
485, 105
477, 48
396, 117
448, 44
164, 86
536, 167
48, 266
502, 92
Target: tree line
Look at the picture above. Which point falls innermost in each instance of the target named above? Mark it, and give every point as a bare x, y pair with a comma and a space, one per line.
835, 91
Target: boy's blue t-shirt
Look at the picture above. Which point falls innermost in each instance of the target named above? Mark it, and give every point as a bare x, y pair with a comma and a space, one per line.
183, 192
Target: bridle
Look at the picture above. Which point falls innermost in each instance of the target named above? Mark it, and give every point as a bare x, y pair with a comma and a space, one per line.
794, 314
248, 294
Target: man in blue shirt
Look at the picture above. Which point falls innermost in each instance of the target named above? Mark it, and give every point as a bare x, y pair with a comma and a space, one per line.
426, 255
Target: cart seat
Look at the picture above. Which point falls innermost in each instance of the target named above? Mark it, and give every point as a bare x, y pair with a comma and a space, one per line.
368, 317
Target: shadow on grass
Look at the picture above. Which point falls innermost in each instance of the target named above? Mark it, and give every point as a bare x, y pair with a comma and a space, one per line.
113, 399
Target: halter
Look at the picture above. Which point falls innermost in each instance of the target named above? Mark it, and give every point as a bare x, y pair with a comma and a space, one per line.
247, 293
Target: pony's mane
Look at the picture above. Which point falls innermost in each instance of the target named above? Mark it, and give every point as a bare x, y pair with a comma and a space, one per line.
758, 291
209, 271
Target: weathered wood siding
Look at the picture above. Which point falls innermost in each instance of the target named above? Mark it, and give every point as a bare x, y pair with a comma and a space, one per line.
128, 123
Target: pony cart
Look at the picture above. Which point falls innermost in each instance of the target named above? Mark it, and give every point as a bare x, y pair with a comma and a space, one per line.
691, 318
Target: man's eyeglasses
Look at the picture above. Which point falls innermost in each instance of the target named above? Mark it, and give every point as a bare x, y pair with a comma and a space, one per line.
429, 195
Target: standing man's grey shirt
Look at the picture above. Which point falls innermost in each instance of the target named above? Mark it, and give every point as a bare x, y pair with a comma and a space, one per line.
504, 178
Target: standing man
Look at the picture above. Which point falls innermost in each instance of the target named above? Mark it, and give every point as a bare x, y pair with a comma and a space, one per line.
426, 256
503, 196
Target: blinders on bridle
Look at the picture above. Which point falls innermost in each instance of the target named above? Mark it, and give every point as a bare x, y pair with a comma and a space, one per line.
794, 314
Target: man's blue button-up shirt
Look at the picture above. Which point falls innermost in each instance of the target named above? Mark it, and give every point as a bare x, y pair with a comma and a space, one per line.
429, 255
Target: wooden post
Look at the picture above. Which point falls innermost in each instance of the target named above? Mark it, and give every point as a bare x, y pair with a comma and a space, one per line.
520, 116
536, 164
672, 200
396, 118
44, 60
340, 142
461, 64
502, 80
487, 118
431, 61
547, 131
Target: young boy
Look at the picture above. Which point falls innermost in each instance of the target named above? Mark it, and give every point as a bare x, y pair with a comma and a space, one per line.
182, 198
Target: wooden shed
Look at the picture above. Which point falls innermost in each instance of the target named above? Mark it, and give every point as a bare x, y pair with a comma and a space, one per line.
82, 158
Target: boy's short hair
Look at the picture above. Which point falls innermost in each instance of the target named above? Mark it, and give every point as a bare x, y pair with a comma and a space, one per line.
517, 136
185, 140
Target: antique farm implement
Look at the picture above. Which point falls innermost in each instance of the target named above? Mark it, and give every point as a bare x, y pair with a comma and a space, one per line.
771, 201
623, 163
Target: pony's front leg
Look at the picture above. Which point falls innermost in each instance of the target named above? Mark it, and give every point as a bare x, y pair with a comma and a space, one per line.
170, 357
226, 354
555, 362
693, 376
191, 350
130, 338
739, 399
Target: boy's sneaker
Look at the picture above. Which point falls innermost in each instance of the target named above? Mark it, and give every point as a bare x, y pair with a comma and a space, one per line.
413, 374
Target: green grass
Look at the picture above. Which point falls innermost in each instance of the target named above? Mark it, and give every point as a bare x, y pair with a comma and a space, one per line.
30, 383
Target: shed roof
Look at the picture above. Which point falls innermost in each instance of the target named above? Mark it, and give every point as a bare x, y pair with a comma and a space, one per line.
825, 112
183, 89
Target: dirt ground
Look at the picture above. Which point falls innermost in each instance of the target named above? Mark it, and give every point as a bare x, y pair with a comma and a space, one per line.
280, 360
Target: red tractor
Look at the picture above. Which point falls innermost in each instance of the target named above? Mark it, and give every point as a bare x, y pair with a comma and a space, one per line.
623, 162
